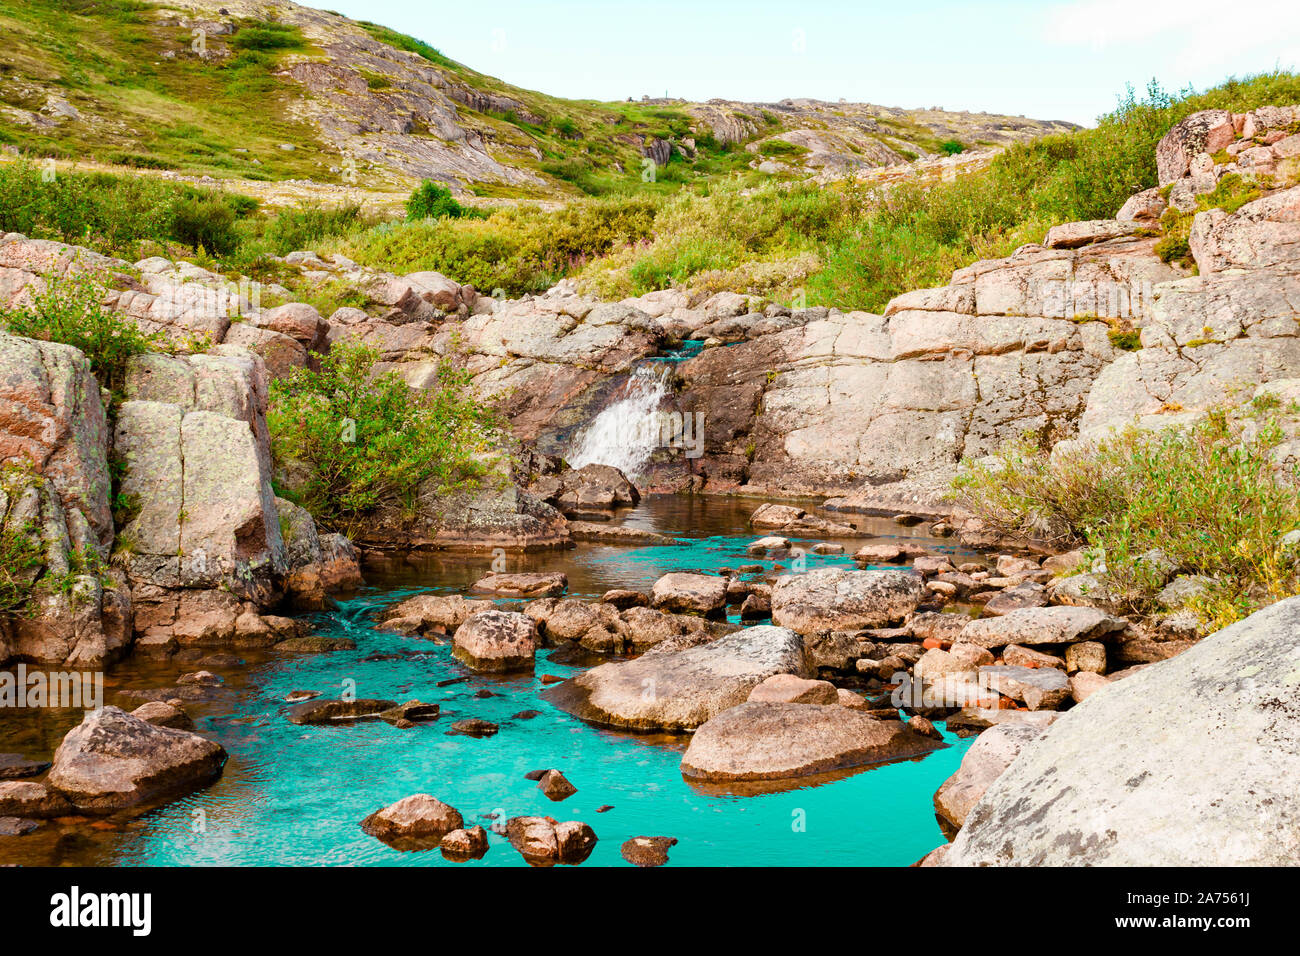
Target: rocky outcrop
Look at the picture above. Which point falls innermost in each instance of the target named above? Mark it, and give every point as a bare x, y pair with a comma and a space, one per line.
1186, 762
113, 761
773, 741
677, 690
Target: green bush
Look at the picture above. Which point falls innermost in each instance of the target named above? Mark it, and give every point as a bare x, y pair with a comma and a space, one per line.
1210, 496
70, 311
351, 442
951, 147
270, 35
432, 200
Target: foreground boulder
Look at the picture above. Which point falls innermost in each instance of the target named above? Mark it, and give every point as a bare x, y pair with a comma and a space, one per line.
985, 761
678, 690
1191, 761
112, 761
773, 741
835, 599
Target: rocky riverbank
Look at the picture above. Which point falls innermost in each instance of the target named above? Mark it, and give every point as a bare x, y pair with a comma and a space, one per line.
153, 526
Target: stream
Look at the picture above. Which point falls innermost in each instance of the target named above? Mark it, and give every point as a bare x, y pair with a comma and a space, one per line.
295, 794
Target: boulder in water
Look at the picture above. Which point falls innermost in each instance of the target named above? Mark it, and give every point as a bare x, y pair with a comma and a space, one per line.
496, 641
836, 599
691, 593
524, 584
678, 690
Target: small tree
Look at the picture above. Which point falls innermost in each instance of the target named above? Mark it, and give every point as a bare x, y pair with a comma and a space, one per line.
431, 200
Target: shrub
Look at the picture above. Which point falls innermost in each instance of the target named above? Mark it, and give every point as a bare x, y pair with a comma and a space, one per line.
71, 311
352, 442
951, 147
270, 35
431, 200
1210, 496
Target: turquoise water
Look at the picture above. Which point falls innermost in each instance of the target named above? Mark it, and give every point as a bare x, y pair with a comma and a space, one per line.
294, 795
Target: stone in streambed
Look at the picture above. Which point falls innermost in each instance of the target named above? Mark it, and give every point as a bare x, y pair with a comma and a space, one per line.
523, 584
983, 763
112, 761
681, 591
770, 741
474, 727
496, 641
835, 599
555, 786
789, 689
15, 766
419, 818
541, 841
647, 851
323, 713
17, 826
677, 690
161, 714
426, 613
26, 798
461, 845
1040, 688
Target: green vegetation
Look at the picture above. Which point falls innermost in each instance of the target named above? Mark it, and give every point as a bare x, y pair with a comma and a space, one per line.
1210, 497
951, 147
843, 245
432, 200
352, 442
400, 41
22, 555
1232, 192
70, 311
144, 94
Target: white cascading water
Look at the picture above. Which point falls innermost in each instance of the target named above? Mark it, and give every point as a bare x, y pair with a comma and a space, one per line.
627, 432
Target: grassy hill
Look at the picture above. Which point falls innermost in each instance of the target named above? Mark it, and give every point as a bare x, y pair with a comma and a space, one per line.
274, 91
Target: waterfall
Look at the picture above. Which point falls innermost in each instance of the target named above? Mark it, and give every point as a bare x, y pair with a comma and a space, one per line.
627, 432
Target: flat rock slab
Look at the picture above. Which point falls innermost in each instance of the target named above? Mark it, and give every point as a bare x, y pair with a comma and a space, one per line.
327, 713
678, 690
533, 585
1192, 761
775, 741
837, 599
112, 760
1043, 625
617, 534
16, 766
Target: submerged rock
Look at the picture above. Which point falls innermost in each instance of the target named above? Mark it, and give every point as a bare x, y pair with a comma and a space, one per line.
648, 851
26, 798
680, 689
15, 766
113, 760
329, 712
772, 741
1189, 761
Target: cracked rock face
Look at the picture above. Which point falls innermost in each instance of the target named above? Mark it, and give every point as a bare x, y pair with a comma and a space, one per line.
1187, 762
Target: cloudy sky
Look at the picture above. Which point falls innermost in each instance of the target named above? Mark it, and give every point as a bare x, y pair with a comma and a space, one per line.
1050, 60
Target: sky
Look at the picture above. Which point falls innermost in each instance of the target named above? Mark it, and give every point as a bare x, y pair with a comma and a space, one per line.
1068, 60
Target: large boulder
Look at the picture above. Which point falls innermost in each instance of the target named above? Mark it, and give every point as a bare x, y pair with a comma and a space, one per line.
836, 599
431, 613
112, 761
772, 741
985, 761
677, 690
1187, 762
315, 565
